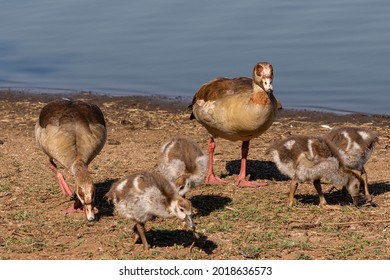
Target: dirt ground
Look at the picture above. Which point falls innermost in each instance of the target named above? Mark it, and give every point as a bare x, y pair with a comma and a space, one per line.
234, 223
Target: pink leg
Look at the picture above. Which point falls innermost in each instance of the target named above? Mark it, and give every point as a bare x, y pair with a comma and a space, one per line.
241, 179
211, 178
76, 207
66, 190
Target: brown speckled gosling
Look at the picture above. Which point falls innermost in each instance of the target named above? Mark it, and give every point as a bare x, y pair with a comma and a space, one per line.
72, 133
182, 162
309, 158
355, 146
143, 196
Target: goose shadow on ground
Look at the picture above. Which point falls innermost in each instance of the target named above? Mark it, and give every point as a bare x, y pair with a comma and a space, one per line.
378, 188
185, 238
205, 204
257, 170
340, 196
333, 197
104, 207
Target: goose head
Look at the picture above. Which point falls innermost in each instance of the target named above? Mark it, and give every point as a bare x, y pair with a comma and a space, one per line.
354, 185
184, 184
263, 76
182, 209
85, 190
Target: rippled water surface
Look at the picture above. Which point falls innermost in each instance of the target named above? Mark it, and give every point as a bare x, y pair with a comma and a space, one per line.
329, 55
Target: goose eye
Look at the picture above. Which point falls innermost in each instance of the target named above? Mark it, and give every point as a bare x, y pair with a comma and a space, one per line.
259, 70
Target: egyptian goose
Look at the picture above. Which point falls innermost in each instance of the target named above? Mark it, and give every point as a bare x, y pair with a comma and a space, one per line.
182, 162
237, 109
310, 159
355, 147
142, 196
72, 133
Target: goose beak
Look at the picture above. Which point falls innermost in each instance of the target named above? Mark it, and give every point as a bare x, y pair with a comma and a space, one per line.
189, 222
355, 200
89, 212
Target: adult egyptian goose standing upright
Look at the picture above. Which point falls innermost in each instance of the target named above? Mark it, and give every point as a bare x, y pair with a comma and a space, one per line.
182, 162
237, 109
355, 146
72, 133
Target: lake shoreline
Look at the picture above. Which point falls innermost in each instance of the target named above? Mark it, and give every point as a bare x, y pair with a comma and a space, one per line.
180, 104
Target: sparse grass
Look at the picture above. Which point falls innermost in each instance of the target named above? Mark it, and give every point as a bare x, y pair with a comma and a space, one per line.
302, 256
23, 244
252, 251
270, 235
288, 244
78, 242
5, 188
20, 215
220, 227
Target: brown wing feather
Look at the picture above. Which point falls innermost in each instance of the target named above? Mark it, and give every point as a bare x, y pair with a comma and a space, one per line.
91, 112
220, 87
60, 110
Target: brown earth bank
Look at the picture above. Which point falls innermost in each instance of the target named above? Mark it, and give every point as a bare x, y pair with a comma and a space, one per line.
233, 222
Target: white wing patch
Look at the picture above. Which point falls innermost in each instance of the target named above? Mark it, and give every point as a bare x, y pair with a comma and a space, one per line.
136, 183
346, 135
310, 147
289, 144
121, 185
363, 134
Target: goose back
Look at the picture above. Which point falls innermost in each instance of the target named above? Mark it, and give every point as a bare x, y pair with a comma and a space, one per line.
355, 145
142, 196
68, 129
182, 161
307, 158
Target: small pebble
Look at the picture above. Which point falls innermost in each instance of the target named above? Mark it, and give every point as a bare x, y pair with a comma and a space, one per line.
113, 142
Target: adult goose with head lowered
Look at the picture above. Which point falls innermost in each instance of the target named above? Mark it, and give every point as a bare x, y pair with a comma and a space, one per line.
72, 133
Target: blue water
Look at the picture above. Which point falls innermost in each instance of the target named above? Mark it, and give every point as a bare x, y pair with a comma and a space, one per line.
327, 55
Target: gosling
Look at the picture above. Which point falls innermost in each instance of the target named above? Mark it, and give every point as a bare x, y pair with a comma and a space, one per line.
310, 159
182, 162
143, 196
